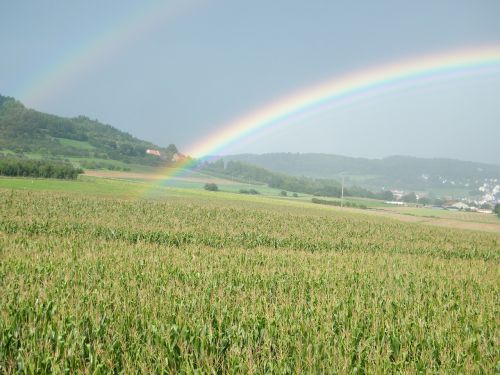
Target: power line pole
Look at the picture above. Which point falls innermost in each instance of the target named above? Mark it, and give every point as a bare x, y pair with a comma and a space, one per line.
342, 196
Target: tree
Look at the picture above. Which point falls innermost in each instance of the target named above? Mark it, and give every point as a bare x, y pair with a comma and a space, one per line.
438, 202
172, 149
497, 209
295, 195
409, 198
424, 201
218, 166
283, 193
385, 195
211, 187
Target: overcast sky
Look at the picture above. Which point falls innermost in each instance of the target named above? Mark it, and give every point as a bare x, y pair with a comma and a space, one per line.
176, 73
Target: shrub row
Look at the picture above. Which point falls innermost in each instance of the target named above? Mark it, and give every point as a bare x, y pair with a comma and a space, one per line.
37, 168
337, 203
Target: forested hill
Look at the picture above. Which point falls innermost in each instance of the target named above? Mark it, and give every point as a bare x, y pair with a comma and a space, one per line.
27, 131
393, 172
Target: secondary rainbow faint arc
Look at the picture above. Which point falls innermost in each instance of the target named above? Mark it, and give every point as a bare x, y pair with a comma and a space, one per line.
461, 62
58, 76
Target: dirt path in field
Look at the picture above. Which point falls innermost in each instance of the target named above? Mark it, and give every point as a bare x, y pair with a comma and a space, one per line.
154, 177
436, 221
122, 175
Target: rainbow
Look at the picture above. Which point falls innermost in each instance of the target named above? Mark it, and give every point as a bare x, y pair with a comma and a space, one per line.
53, 79
356, 85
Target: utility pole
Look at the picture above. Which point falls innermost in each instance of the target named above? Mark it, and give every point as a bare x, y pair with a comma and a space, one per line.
342, 196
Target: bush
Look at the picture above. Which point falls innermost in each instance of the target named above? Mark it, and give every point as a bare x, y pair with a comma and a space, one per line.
323, 201
211, 187
250, 191
283, 193
295, 195
337, 203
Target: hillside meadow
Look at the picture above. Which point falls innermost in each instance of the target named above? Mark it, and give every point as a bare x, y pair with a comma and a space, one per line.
106, 276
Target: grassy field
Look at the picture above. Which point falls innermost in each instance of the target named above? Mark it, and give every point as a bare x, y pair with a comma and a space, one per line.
151, 185
444, 214
105, 275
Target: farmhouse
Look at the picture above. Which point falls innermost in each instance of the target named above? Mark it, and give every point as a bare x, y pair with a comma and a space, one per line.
153, 152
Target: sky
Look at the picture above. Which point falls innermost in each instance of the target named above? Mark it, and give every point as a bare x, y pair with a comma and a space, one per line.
179, 71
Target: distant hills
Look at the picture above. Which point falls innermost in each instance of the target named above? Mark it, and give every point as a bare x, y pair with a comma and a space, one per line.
36, 134
91, 144
394, 172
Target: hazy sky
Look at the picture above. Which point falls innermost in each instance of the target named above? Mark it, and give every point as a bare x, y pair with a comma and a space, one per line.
175, 72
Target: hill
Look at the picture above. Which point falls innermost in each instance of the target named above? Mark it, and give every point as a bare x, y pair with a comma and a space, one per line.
250, 173
394, 172
26, 131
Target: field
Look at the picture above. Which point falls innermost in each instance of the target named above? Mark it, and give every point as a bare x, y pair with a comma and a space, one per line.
444, 214
104, 275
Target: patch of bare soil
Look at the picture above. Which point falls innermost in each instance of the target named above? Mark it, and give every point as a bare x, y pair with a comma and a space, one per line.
154, 177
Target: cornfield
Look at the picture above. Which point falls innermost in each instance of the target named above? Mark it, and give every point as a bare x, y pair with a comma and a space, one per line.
189, 285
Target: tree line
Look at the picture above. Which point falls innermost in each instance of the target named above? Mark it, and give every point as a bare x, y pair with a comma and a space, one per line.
403, 171
38, 168
306, 185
